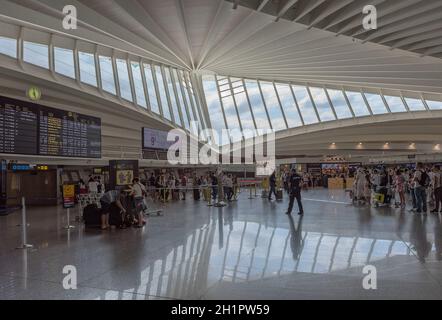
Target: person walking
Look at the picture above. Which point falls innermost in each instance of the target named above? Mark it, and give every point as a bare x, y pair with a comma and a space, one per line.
138, 193
421, 182
437, 186
272, 185
400, 187
295, 192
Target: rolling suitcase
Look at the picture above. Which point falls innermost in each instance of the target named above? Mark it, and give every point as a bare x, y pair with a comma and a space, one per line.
279, 195
116, 217
92, 216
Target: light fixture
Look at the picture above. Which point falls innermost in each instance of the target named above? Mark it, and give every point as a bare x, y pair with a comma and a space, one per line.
437, 147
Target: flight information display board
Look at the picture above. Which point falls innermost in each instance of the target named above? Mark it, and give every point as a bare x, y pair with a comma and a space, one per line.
32, 129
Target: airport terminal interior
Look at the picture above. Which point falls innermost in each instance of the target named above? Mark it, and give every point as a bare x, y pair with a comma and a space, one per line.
220, 149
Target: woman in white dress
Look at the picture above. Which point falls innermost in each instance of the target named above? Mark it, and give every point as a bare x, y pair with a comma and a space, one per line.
360, 185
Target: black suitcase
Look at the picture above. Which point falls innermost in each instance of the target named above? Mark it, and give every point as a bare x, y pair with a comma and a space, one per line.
92, 216
116, 218
279, 195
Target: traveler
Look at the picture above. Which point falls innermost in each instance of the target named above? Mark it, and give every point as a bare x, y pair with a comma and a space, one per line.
183, 186
295, 192
399, 184
99, 185
229, 187
214, 182
421, 183
152, 180
107, 200
138, 193
272, 185
360, 183
92, 185
437, 186
82, 187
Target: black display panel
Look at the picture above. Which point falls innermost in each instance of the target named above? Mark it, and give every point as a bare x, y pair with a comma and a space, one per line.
32, 129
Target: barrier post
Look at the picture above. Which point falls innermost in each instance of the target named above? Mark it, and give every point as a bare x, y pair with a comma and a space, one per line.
68, 217
24, 225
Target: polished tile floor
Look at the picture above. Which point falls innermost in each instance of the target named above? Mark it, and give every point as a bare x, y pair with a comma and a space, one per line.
248, 250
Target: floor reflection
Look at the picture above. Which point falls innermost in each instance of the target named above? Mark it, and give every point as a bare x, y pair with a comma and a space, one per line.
249, 251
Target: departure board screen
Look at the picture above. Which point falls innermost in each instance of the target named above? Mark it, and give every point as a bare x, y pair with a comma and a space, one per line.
32, 129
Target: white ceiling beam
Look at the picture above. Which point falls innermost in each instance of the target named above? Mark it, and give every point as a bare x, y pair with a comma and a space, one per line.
331, 9
410, 32
383, 9
432, 51
417, 39
184, 26
406, 23
286, 7
306, 7
262, 4
352, 10
120, 39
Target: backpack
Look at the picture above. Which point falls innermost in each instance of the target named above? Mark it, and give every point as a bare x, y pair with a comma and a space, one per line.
424, 180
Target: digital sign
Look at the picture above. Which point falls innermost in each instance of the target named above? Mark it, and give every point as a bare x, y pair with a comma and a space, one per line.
155, 139
31, 129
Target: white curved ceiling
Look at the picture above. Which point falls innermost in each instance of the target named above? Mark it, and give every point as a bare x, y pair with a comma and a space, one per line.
212, 36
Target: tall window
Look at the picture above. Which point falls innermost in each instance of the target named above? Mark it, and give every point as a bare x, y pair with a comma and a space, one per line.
173, 101
415, 104
357, 103
213, 104
138, 84
8, 46
163, 95
395, 104
187, 96
64, 62
305, 105
87, 68
153, 99
340, 104
322, 104
181, 99
107, 74
272, 104
257, 105
243, 108
289, 105
228, 104
123, 79
376, 103
434, 105
36, 54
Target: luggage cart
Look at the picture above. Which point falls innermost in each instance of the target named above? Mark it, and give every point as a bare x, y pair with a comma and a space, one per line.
151, 205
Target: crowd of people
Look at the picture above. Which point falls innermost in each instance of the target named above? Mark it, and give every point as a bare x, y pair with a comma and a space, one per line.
94, 185
422, 186
167, 186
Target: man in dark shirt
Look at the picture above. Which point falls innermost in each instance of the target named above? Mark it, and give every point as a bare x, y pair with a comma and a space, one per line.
214, 182
272, 182
295, 192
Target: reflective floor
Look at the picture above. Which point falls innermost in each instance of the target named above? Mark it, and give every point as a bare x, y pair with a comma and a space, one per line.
248, 250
